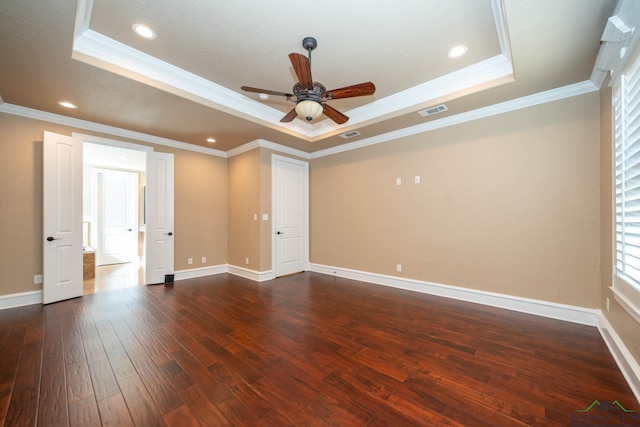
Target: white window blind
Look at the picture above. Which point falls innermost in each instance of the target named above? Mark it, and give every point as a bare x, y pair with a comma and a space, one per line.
626, 110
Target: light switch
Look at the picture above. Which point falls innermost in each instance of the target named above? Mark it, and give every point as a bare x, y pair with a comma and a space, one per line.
265, 217
398, 181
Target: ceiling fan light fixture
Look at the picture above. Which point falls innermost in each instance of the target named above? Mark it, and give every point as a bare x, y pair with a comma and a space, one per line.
309, 109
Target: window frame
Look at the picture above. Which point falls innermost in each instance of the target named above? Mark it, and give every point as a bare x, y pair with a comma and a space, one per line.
626, 289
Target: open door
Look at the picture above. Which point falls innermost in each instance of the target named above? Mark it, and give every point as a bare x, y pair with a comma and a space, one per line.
290, 215
160, 238
62, 217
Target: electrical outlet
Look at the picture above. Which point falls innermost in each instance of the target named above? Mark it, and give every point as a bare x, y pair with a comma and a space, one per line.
255, 217
398, 181
204, 259
606, 304
37, 279
416, 179
190, 261
398, 267
246, 260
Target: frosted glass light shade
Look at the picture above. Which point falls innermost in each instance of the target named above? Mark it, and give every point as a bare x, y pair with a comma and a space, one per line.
309, 109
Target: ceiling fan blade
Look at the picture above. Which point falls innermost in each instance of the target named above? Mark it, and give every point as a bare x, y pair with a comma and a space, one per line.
267, 91
290, 116
302, 67
334, 114
361, 89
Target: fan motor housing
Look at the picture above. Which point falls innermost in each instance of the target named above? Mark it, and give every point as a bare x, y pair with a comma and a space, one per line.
314, 94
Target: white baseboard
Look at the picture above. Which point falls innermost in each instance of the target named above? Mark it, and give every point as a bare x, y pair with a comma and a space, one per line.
20, 299
627, 364
200, 272
570, 313
258, 276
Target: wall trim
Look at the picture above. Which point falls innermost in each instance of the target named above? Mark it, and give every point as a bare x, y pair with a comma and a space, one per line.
20, 299
257, 276
479, 113
30, 113
200, 272
569, 313
270, 145
621, 354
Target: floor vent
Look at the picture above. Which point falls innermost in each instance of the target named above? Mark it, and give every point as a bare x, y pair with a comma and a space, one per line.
351, 134
433, 110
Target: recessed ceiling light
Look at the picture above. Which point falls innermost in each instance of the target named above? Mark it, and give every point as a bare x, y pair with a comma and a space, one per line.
457, 51
66, 104
144, 31
211, 140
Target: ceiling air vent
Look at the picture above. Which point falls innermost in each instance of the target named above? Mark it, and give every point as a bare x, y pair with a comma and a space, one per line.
351, 134
433, 110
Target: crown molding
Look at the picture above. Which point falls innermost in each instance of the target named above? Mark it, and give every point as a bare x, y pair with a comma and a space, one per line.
492, 110
258, 143
103, 52
111, 130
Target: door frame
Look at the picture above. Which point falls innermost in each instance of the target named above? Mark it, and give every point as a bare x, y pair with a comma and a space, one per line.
275, 214
150, 173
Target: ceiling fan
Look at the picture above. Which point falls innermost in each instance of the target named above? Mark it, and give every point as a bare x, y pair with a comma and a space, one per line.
311, 97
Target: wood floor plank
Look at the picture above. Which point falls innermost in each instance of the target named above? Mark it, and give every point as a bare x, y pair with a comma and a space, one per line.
73, 346
141, 406
52, 405
93, 349
181, 417
213, 389
114, 412
79, 385
160, 389
84, 413
104, 381
202, 409
23, 406
307, 349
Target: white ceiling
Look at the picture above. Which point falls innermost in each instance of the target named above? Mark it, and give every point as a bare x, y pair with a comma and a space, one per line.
185, 84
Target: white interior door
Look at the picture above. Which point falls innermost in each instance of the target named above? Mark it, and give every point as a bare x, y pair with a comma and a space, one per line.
159, 228
117, 214
62, 217
290, 215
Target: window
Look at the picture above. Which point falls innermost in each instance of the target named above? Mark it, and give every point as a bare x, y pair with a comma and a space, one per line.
626, 120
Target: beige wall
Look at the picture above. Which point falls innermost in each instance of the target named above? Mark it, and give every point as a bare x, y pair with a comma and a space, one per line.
200, 209
200, 197
506, 204
625, 326
244, 203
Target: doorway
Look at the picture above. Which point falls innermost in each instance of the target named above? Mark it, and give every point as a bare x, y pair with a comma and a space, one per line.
114, 217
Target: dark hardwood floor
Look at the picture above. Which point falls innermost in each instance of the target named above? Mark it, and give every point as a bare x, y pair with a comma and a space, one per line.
308, 349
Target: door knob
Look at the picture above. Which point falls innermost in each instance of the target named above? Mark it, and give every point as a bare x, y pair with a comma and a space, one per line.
170, 233
51, 239
129, 230
279, 232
